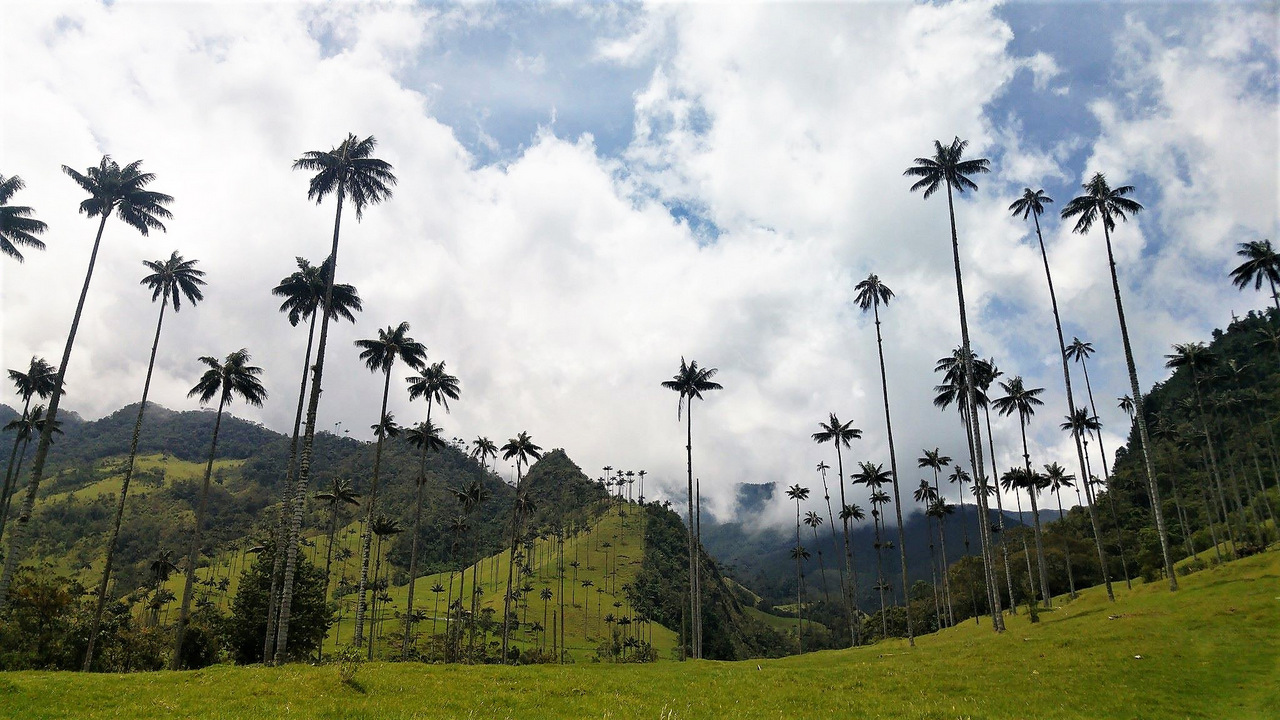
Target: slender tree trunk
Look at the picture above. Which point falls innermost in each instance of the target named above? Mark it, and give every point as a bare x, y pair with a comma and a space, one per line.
979, 475
193, 550
800, 627
515, 533
286, 508
1141, 417
124, 493
1035, 515
946, 566
1026, 552
1004, 542
1106, 475
413, 546
19, 539
1213, 462
1066, 549
693, 577
9, 475
831, 523
697, 561
884, 619
826, 597
893, 466
1207, 498
328, 560
850, 569
373, 619
988, 582
367, 540
933, 573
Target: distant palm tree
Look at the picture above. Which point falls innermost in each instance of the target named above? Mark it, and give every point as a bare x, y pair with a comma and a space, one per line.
841, 434
948, 167
426, 437
37, 381
380, 355
875, 477
224, 380
1102, 202
1020, 399
437, 588
799, 554
1058, 478
690, 382
1080, 351
1125, 403
1261, 262
339, 493
871, 294
17, 226
25, 428
1080, 424
347, 171
170, 280
926, 495
304, 291
522, 449
798, 493
483, 450
939, 510
814, 521
546, 595
383, 527
111, 188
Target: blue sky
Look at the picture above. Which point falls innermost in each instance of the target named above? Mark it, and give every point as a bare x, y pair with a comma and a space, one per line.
589, 192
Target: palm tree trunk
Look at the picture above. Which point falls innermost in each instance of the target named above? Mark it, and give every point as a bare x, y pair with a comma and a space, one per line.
308, 439
884, 619
979, 476
124, 492
850, 569
328, 561
697, 561
799, 633
826, 596
367, 540
1213, 462
831, 523
988, 583
1035, 516
373, 615
515, 533
933, 573
18, 540
893, 466
10, 477
1066, 549
1106, 475
413, 545
193, 550
946, 566
1004, 542
693, 577
286, 507
1141, 417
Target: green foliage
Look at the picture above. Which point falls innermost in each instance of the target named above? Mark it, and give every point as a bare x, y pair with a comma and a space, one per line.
309, 619
350, 660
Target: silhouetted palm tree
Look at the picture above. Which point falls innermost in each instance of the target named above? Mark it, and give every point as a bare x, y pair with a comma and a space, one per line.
948, 167
112, 189
340, 493
522, 449
17, 226
37, 381
1261, 262
383, 527
841, 435
690, 382
223, 380
25, 428
1080, 424
798, 493
1058, 478
170, 280
1020, 399
483, 450
1102, 202
874, 477
347, 171
813, 520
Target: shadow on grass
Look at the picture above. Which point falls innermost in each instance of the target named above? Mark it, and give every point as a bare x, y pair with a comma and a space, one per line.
357, 686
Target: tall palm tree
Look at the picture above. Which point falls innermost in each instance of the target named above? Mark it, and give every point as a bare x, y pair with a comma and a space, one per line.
1058, 478
948, 167
926, 495
814, 521
37, 381
346, 171
380, 355
522, 449
1080, 351
988, 373
1080, 424
17, 226
1261, 262
798, 493
111, 188
426, 437
875, 477
939, 510
383, 527
483, 450
339, 494
1020, 399
1102, 202
224, 380
437, 386
25, 428
304, 291
169, 281
690, 382
871, 294
841, 434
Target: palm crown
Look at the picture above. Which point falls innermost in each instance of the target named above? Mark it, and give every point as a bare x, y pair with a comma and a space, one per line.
933, 459
339, 492
872, 292
434, 384
1032, 202
1080, 423
17, 227
1261, 263
1079, 350
1196, 357
425, 436
521, 448
122, 190
1057, 476
1018, 398
172, 279
691, 382
303, 292
234, 376
39, 379
391, 344
797, 493
483, 448
835, 431
350, 170
946, 166
1100, 200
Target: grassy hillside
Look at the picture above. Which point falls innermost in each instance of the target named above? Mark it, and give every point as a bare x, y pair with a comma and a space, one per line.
1208, 651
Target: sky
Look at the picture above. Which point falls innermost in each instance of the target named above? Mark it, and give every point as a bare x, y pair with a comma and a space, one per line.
590, 192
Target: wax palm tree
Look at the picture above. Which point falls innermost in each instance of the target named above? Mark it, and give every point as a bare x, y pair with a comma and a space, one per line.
437, 588
37, 381
339, 494
988, 373
224, 380
1058, 478
798, 493
871, 294
169, 281
690, 383
381, 527
1261, 263
1080, 351
484, 450
939, 510
348, 171
926, 495
426, 437
960, 477
799, 554
841, 434
813, 520
380, 355
17, 226
1102, 202
25, 428
875, 477
948, 167
1020, 399
1080, 424
112, 189
522, 449
303, 292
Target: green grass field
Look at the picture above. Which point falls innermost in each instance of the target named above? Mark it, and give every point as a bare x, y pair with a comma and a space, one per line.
1210, 650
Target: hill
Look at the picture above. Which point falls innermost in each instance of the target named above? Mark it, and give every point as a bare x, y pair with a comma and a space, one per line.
1207, 651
